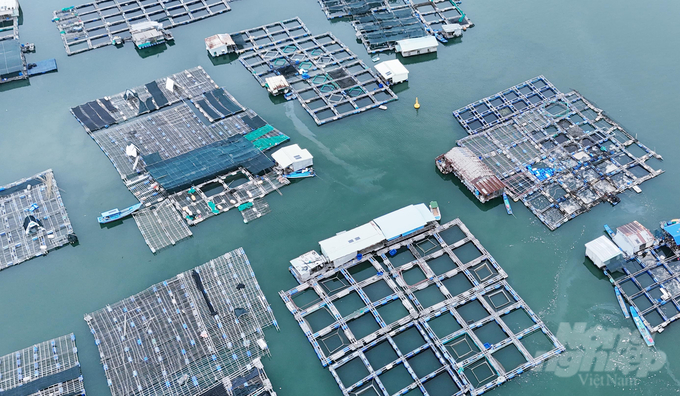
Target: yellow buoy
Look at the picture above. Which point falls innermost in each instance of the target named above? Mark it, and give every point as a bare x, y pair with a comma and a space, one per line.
417, 105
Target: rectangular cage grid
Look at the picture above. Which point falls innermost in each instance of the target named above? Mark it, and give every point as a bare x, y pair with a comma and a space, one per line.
380, 29
48, 368
34, 219
95, 24
560, 157
266, 35
355, 317
175, 130
497, 108
651, 283
185, 335
326, 77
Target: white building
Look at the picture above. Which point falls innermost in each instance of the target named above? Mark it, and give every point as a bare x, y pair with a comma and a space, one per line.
345, 246
292, 158
392, 71
147, 34
220, 44
404, 221
277, 85
452, 30
305, 266
602, 251
9, 8
633, 237
416, 46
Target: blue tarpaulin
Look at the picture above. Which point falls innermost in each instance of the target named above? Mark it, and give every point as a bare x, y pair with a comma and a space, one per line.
674, 231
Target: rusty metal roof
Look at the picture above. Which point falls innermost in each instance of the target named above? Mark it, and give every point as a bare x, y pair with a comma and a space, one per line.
472, 170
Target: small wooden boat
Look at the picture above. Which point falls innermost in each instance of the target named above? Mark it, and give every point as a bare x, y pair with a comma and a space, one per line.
115, 214
506, 201
641, 327
434, 208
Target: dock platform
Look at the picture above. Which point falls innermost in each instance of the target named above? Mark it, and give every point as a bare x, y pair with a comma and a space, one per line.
48, 368
34, 199
172, 160
433, 309
42, 67
326, 77
94, 25
195, 333
557, 153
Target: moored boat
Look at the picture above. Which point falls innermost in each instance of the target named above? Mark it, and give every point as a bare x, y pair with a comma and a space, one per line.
506, 201
115, 214
434, 208
644, 332
301, 173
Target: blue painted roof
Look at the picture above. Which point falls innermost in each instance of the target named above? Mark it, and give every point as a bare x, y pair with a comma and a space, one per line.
674, 231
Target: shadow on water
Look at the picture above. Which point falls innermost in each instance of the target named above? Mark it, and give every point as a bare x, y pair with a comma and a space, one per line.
152, 51
590, 266
222, 59
484, 207
411, 60
14, 84
277, 99
398, 88
112, 224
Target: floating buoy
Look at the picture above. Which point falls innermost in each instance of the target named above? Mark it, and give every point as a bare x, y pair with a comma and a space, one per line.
417, 105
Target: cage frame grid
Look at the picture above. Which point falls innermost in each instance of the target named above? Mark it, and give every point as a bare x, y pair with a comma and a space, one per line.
17, 202
411, 26
316, 59
253, 36
506, 102
45, 359
352, 348
645, 290
209, 314
402, 358
95, 24
572, 148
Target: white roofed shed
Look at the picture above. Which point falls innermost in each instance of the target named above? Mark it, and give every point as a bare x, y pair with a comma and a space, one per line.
404, 221
416, 46
633, 237
293, 157
602, 251
392, 71
345, 246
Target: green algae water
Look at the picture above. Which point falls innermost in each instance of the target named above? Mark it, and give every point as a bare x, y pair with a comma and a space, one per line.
622, 55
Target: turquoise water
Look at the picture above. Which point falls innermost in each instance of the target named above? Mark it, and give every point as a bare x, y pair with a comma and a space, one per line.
621, 55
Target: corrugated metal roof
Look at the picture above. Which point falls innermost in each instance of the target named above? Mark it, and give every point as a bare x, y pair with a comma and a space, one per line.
636, 233
674, 231
218, 40
351, 241
404, 221
472, 170
10, 57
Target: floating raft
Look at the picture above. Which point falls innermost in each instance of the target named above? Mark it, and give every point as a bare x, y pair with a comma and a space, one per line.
557, 153
95, 24
326, 77
162, 148
42, 67
35, 198
196, 333
49, 368
431, 311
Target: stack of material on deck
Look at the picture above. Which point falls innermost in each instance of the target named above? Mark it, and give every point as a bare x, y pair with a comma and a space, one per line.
476, 176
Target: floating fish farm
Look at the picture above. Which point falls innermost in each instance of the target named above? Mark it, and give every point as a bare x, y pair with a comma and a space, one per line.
34, 220
187, 150
557, 153
45, 369
380, 24
428, 313
94, 25
13, 65
199, 333
326, 77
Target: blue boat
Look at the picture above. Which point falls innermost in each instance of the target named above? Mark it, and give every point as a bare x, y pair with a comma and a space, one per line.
506, 201
644, 332
115, 214
302, 173
622, 304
